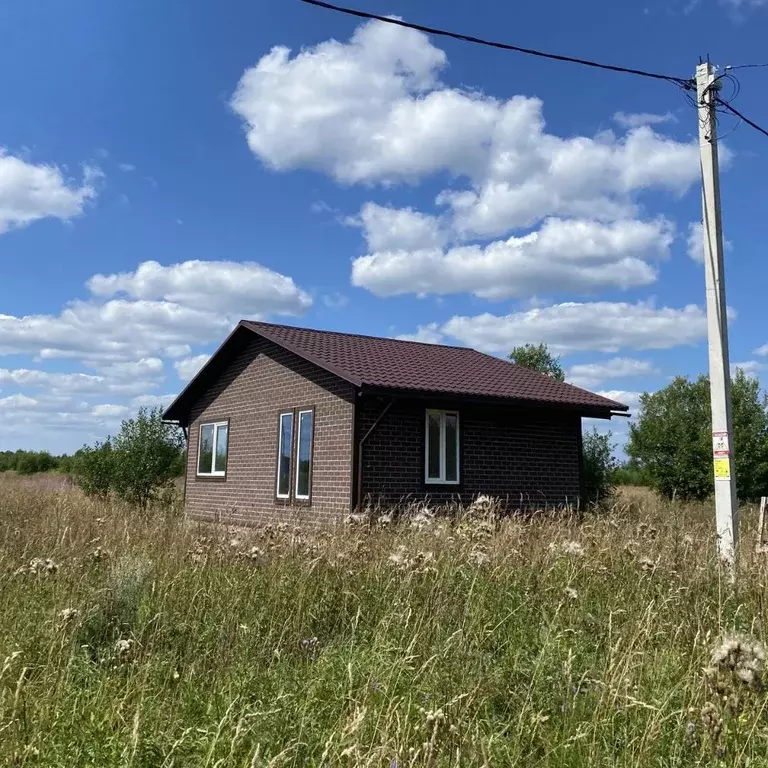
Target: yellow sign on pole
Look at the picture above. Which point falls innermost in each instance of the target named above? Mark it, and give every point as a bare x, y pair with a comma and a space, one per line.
722, 469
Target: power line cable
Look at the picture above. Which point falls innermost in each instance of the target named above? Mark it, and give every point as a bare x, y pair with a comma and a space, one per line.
683, 82
745, 66
738, 114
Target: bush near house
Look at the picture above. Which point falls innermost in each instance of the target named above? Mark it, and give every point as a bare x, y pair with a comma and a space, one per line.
138, 465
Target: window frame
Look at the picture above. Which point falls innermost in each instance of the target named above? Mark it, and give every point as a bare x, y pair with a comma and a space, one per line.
300, 497
292, 414
441, 480
214, 474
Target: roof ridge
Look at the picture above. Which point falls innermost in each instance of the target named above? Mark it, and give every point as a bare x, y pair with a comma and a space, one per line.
362, 335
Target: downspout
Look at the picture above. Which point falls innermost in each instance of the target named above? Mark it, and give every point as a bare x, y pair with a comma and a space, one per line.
360, 452
185, 431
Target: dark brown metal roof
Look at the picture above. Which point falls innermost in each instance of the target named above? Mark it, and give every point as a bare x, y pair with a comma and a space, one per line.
391, 364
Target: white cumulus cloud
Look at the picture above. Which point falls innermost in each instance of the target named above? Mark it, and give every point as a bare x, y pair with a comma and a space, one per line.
749, 367
152, 401
597, 326
593, 374
110, 411
428, 334
30, 192
576, 256
630, 398
189, 366
158, 308
695, 241
76, 383
388, 229
373, 110
246, 288
636, 119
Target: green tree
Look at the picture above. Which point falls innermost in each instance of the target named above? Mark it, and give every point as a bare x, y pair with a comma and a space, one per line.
146, 460
672, 438
538, 358
93, 469
598, 467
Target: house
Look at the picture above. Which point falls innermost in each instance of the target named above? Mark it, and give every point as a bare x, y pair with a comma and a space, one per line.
289, 423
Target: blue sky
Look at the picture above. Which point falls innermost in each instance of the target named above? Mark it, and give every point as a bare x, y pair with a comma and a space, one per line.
171, 167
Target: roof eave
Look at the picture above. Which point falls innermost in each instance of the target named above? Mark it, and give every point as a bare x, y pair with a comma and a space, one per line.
592, 411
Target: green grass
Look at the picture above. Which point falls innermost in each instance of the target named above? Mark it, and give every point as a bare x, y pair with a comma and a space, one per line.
449, 645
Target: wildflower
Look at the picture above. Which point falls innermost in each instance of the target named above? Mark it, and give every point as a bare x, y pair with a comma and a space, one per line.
435, 716
424, 562
309, 644
743, 657
423, 518
68, 614
571, 593
123, 648
197, 556
481, 505
568, 548
399, 557
99, 554
710, 719
38, 566
478, 557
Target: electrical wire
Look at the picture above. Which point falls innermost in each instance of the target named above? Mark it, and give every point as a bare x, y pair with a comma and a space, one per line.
738, 114
746, 66
685, 83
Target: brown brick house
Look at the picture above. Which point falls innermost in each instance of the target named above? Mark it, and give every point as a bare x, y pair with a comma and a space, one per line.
286, 423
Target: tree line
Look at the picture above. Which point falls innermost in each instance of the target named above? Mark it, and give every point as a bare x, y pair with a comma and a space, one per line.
31, 462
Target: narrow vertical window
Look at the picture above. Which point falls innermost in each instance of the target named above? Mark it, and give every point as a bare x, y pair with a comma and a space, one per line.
451, 447
220, 460
212, 449
304, 450
284, 450
433, 446
441, 447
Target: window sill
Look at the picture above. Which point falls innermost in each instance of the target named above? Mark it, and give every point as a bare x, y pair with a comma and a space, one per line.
211, 478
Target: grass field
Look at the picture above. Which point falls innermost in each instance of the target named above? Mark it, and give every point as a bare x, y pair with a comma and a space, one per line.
130, 642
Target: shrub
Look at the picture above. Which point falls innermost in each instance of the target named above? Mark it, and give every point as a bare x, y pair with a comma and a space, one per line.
147, 452
631, 474
93, 468
598, 467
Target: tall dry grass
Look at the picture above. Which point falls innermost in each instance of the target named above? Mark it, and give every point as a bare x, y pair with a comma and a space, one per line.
547, 642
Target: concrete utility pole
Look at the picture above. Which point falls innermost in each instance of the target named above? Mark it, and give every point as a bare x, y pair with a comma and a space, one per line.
726, 504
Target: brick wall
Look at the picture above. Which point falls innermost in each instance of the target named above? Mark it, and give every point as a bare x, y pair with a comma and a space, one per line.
262, 381
530, 458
